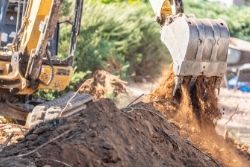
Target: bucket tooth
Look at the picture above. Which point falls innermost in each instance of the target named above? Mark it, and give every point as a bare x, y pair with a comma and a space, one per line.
192, 83
218, 84
178, 82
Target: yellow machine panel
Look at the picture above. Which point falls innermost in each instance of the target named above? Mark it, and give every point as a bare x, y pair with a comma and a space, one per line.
37, 13
61, 77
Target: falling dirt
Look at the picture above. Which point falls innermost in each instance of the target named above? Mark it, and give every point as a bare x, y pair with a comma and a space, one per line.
102, 135
195, 111
104, 85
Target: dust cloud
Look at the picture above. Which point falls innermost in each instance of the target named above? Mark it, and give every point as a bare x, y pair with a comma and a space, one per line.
195, 111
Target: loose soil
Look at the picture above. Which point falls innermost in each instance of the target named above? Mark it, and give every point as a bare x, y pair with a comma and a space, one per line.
104, 85
195, 111
182, 134
102, 135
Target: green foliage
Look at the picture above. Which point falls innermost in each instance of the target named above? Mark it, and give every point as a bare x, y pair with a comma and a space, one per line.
237, 18
119, 1
48, 94
77, 79
64, 41
66, 7
118, 38
123, 38
111, 1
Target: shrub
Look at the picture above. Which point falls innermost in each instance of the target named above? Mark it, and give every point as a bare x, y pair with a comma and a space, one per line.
237, 18
124, 39
121, 38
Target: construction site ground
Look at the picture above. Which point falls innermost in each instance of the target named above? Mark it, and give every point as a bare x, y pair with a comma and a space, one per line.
129, 134
233, 104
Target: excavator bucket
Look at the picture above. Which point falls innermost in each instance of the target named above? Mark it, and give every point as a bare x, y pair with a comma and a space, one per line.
198, 47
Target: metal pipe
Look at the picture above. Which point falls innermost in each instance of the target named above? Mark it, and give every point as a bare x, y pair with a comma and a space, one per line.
18, 16
24, 7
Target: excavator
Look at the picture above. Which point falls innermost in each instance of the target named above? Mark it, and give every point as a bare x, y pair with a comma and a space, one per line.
29, 38
28, 62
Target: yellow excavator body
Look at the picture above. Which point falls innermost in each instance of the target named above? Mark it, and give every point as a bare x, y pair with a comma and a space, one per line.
26, 63
29, 32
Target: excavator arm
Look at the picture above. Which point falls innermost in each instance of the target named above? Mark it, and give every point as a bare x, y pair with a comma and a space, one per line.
198, 47
28, 64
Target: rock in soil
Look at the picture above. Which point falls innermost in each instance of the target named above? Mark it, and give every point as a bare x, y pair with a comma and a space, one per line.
104, 136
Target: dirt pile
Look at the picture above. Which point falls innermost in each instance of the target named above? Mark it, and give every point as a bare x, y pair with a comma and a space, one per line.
103, 135
103, 84
195, 112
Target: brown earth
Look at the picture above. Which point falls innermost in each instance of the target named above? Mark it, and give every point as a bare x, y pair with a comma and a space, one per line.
103, 85
103, 135
195, 112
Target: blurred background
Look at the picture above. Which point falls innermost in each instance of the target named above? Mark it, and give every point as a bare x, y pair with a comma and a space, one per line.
123, 38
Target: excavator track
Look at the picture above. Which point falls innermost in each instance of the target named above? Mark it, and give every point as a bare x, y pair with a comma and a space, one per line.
61, 107
34, 112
